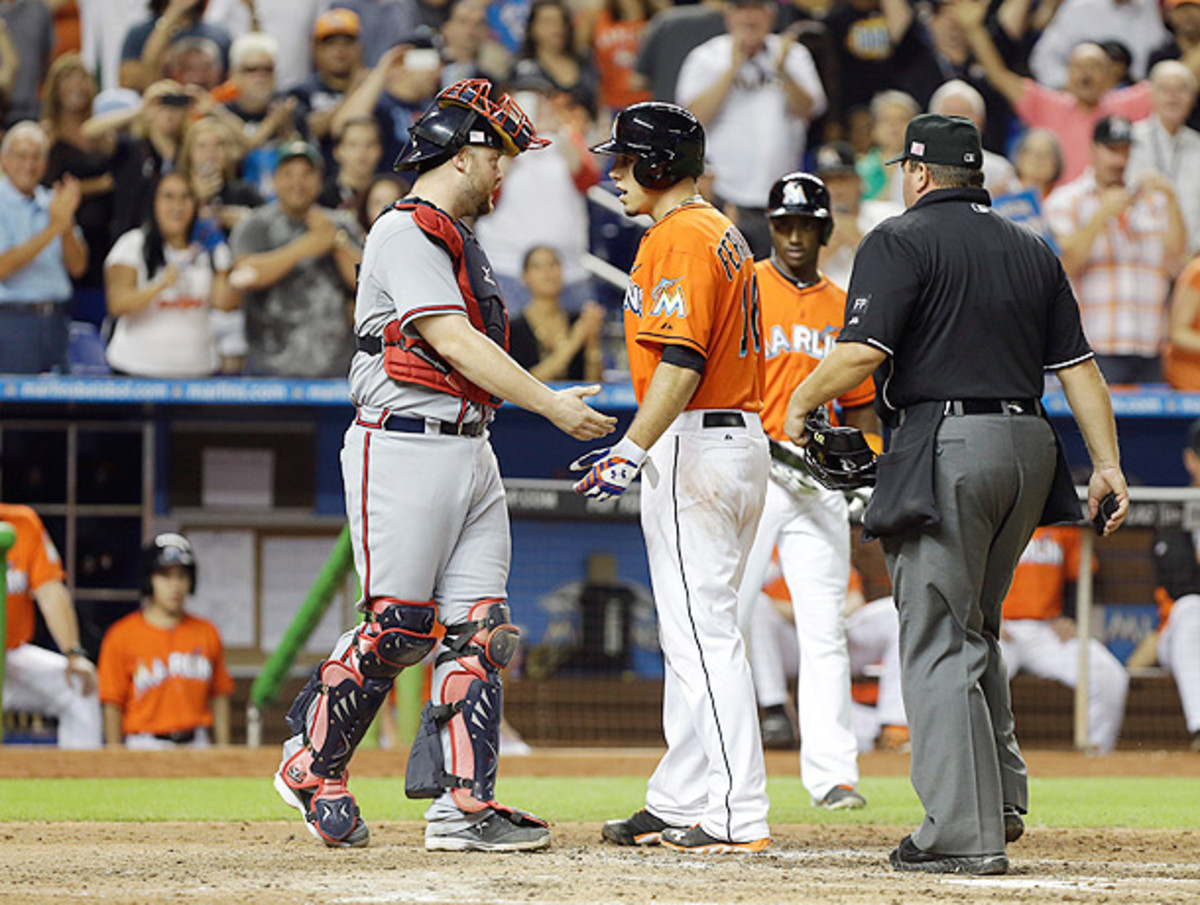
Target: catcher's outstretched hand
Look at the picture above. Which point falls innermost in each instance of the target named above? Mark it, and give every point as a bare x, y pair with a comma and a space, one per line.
572, 415
609, 471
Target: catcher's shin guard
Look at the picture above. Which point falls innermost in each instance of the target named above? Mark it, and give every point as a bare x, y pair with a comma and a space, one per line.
337, 705
472, 705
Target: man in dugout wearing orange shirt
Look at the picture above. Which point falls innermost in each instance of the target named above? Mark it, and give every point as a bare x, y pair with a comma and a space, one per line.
693, 333
802, 315
35, 679
1038, 637
163, 680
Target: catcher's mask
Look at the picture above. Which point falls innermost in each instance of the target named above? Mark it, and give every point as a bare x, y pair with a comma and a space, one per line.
838, 457
469, 112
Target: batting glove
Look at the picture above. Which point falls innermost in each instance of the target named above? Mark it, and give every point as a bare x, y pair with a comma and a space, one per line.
609, 471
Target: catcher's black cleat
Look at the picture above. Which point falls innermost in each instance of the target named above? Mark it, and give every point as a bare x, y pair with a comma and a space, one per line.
1014, 826
642, 828
906, 856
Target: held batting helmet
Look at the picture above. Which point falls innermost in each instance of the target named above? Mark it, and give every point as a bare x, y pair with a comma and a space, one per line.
667, 141
838, 457
470, 112
165, 551
802, 195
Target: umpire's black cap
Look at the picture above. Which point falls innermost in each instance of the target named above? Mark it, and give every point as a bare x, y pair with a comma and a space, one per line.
948, 140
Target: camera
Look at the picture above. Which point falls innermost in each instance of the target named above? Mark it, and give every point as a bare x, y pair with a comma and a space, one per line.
175, 100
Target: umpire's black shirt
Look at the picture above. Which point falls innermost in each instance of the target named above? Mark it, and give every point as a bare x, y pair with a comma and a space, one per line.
966, 304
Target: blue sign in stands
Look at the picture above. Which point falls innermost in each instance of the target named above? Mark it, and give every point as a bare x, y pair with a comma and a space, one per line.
213, 391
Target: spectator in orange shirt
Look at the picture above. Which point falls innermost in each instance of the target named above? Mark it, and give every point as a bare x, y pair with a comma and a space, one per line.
163, 680
1181, 357
35, 679
1039, 637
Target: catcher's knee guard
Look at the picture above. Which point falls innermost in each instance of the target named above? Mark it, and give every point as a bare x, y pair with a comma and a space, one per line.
336, 706
472, 705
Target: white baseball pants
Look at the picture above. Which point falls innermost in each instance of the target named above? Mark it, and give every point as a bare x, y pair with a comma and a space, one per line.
813, 537
1179, 651
35, 679
701, 501
1033, 646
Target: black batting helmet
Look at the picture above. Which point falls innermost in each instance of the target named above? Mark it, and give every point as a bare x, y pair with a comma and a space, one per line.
802, 195
470, 112
667, 141
165, 551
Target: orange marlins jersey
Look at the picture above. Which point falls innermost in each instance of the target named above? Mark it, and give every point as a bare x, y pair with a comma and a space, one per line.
800, 327
162, 679
692, 284
1048, 563
32, 562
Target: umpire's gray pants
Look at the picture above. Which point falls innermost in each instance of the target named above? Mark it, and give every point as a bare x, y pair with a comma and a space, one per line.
992, 474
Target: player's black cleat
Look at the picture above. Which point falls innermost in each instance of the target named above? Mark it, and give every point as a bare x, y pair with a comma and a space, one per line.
642, 828
695, 840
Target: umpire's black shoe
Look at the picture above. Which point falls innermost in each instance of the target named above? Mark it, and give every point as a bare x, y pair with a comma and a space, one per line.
1014, 826
643, 828
906, 856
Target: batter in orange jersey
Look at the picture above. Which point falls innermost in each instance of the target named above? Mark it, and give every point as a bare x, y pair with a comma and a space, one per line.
802, 315
1038, 639
163, 681
693, 331
692, 286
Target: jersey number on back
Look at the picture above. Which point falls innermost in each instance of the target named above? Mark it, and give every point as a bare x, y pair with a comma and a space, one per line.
733, 251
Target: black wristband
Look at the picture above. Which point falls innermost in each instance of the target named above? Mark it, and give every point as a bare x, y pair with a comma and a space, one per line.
77, 651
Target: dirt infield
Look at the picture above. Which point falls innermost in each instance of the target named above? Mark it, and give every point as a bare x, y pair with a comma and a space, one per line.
278, 862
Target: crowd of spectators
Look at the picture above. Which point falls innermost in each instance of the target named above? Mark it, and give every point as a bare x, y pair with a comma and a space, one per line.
278, 122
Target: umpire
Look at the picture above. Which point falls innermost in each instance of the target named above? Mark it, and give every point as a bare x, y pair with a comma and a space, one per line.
958, 312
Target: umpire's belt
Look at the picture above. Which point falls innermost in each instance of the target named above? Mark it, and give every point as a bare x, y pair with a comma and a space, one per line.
179, 737
723, 419
424, 426
992, 407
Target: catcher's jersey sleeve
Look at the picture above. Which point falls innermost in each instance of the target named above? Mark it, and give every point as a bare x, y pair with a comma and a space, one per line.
403, 275
32, 562
692, 284
800, 327
162, 680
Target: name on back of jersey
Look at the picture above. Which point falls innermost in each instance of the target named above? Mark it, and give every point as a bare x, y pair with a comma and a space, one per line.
804, 339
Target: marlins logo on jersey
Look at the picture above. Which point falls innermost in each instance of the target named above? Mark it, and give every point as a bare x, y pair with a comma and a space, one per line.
668, 298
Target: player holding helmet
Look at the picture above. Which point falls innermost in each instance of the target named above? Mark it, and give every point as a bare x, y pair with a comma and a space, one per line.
428, 520
693, 333
802, 312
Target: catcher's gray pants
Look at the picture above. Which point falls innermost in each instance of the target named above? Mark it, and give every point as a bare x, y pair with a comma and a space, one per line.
992, 474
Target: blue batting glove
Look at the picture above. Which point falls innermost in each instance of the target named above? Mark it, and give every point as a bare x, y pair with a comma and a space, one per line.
609, 471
